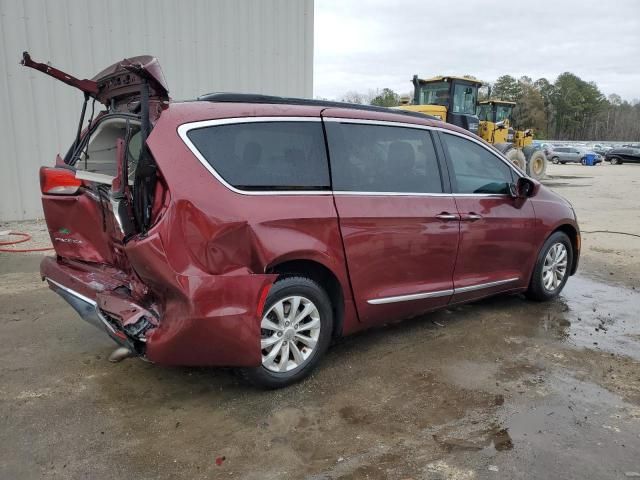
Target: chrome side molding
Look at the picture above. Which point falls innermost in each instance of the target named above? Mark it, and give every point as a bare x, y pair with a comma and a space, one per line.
439, 293
405, 298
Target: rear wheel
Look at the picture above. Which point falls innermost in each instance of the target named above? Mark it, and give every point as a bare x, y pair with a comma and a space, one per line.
583, 161
295, 332
616, 161
552, 268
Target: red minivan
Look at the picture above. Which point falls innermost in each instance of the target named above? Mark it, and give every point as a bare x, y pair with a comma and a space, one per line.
248, 231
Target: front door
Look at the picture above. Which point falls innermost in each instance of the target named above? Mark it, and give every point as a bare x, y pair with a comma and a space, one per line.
496, 250
400, 232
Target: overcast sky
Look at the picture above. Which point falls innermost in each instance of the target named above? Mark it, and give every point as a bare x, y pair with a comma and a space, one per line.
370, 44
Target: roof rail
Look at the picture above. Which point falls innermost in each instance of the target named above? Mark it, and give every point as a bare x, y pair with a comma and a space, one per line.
271, 99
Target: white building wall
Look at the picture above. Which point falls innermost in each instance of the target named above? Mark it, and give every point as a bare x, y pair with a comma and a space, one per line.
262, 46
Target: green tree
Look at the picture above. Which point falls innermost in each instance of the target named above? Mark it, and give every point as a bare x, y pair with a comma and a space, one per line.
386, 98
530, 111
546, 90
506, 87
576, 104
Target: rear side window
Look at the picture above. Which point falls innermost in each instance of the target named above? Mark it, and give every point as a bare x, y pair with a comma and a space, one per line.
266, 155
375, 158
476, 169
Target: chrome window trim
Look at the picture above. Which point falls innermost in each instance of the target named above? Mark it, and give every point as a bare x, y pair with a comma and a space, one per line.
416, 194
439, 293
386, 123
184, 129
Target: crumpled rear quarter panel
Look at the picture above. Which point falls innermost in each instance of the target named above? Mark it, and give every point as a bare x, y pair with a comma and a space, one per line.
205, 260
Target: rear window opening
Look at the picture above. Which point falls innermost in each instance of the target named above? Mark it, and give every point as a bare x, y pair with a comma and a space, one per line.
97, 162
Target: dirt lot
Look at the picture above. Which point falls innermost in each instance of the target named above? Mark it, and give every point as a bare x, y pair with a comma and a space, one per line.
501, 389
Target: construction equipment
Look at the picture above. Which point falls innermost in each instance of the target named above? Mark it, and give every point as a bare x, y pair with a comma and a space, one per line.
496, 119
454, 100
451, 99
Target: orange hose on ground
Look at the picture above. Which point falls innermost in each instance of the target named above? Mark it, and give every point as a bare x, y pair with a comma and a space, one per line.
26, 238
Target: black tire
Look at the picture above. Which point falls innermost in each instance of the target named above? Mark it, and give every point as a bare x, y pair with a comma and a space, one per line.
537, 290
536, 163
555, 160
283, 288
516, 157
616, 161
583, 160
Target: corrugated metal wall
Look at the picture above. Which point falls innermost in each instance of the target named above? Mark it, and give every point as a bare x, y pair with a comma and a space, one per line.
263, 46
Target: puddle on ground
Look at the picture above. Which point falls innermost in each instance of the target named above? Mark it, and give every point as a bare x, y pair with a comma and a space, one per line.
598, 316
587, 314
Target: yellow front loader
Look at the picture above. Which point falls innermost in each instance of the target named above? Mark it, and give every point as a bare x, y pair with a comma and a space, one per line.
455, 100
495, 117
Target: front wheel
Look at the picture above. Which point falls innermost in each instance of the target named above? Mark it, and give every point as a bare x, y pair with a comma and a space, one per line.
295, 331
552, 268
615, 161
555, 160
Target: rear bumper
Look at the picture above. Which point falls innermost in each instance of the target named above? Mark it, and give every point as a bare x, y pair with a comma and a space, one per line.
207, 320
89, 311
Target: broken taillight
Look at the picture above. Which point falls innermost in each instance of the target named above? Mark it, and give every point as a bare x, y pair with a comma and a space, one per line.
58, 181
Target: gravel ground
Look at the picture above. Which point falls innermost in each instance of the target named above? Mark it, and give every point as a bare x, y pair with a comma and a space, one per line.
500, 389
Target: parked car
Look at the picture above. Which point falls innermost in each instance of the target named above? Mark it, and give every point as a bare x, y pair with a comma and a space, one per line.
618, 156
600, 149
248, 231
571, 155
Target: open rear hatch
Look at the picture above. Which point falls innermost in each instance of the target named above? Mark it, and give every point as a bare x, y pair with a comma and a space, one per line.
116, 85
102, 196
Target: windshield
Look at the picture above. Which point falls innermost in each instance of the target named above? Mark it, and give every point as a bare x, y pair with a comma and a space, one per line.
464, 99
503, 112
436, 93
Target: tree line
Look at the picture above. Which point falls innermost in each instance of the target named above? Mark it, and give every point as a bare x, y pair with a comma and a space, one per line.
567, 109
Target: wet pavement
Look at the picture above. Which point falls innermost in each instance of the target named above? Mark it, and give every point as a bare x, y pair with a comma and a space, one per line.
503, 388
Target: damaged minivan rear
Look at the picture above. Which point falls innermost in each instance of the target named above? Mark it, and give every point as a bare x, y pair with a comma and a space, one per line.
247, 231
105, 203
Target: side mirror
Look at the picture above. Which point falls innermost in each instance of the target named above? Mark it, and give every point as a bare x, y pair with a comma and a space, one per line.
524, 188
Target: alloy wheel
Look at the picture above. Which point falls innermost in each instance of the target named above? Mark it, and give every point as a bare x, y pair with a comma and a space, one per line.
289, 333
555, 267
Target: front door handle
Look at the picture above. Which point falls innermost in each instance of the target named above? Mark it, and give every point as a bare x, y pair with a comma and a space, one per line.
447, 216
471, 217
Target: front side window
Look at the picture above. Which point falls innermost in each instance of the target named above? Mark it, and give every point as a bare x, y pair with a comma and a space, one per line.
464, 99
375, 158
476, 169
266, 155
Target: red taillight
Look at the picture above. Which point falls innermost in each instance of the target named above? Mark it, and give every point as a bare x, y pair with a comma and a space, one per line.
58, 181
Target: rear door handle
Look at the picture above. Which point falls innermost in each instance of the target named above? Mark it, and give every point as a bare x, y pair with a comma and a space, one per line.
471, 217
447, 216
